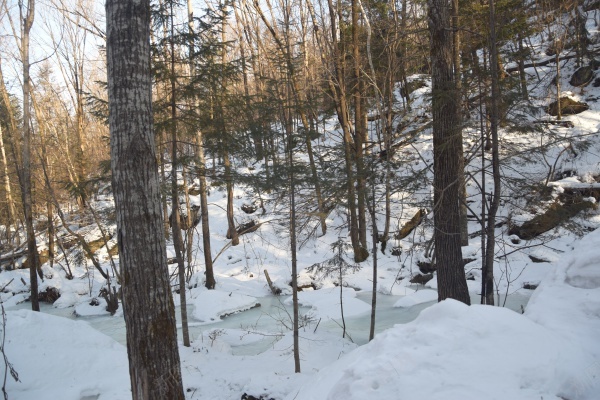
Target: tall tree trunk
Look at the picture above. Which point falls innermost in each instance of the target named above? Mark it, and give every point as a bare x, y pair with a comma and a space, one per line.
201, 163
488, 273
360, 128
26, 195
293, 243
231, 231
12, 212
175, 222
360, 253
446, 147
80, 179
154, 366
462, 191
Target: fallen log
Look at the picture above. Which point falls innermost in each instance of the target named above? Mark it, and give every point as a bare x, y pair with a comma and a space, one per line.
567, 207
275, 290
542, 63
411, 225
248, 227
563, 123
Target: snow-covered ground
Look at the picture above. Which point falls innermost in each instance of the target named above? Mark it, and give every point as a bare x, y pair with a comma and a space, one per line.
451, 351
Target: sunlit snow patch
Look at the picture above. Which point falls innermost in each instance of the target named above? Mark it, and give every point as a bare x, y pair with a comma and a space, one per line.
325, 303
211, 305
422, 296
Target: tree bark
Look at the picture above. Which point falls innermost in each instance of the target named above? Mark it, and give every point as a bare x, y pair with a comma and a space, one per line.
446, 147
201, 163
154, 365
462, 192
12, 212
488, 272
360, 128
177, 237
25, 179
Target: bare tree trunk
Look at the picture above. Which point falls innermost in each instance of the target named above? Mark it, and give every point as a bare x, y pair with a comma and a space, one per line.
165, 207
12, 212
33, 256
462, 191
293, 251
360, 128
522, 74
338, 86
201, 163
177, 238
154, 365
189, 230
231, 230
82, 195
488, 273
446, 147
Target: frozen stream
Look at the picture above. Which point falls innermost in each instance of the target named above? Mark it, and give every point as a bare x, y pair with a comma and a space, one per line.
272, 317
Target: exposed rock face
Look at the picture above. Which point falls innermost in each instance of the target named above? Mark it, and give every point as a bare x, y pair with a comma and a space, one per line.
568, 106
582, 77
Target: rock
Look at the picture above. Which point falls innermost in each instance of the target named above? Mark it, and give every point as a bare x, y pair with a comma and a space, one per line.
582, 77
249, 208
596, 82
50, 295
246, 396
530, 285
537, 260
184, 223
568, 106
421, 279
412, 86
426, 267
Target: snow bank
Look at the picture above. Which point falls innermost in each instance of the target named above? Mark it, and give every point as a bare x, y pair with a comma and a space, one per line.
210, 372
325, 303
422, 296
452, 351
57, 358
211, 305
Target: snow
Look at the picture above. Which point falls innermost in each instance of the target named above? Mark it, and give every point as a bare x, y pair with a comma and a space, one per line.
325, 303
419, 297
211, 305
57, 358
453, 351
